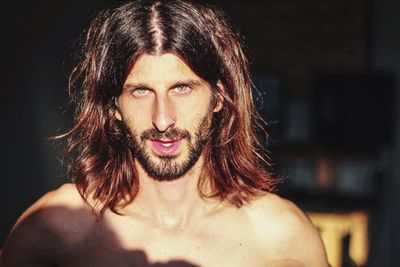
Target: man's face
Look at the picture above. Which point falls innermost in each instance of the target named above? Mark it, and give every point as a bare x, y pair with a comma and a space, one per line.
167, 111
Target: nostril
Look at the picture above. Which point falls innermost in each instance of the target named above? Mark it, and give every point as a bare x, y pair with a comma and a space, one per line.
164, 126
163, 120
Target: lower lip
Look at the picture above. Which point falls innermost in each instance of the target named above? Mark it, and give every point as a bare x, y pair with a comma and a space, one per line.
166, 148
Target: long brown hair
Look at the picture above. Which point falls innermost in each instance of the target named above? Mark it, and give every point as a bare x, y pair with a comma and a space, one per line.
100, 161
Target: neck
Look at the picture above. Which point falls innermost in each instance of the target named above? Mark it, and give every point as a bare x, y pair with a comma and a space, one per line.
172, 204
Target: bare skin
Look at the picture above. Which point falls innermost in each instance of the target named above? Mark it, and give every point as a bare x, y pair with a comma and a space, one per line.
60, 230
168, 223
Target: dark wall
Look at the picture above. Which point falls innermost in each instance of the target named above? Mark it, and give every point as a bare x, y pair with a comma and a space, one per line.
37, 44
386, 56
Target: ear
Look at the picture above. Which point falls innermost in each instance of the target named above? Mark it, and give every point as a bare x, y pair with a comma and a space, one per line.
219, 103
117, 113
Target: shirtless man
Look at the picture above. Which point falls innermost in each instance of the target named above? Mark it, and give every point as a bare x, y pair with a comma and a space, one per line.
164, 157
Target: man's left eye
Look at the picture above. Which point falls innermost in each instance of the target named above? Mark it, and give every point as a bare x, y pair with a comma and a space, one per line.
182, 89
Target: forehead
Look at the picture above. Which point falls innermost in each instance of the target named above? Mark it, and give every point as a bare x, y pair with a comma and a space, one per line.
159, 69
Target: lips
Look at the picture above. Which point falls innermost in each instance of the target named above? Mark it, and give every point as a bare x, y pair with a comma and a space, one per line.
168, 147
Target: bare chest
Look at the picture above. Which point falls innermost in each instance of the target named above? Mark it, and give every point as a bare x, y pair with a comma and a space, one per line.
106, 246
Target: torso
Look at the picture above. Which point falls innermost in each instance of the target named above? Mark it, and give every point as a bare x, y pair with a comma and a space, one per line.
230, 237
224, 239
133, 244
227, 238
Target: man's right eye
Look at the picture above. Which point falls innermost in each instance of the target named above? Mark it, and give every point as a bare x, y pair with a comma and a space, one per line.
140, 92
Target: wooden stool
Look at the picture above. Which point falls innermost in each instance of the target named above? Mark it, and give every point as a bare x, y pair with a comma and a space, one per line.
334, 227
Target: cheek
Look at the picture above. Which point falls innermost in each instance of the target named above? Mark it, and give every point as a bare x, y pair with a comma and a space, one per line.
137, 123
136, 115
192, 120
195, 106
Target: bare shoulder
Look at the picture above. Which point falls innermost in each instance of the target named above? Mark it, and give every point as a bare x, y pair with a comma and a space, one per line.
275, 211
42, 229
66, 196
281, 228
53, 208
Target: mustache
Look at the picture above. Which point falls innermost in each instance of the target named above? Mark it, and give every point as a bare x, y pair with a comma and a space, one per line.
172, 134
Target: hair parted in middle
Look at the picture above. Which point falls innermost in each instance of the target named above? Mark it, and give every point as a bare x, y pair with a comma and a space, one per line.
100, 161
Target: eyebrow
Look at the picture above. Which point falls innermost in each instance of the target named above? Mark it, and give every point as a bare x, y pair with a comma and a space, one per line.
189, 82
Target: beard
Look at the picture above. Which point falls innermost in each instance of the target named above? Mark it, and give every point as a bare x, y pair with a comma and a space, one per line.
169, 167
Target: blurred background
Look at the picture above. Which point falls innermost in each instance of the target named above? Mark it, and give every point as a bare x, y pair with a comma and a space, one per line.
327, 74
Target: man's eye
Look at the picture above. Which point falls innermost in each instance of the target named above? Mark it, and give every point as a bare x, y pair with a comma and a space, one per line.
141, 92
182, 89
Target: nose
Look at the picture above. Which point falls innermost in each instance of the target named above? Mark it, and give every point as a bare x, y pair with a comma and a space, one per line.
163, 114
